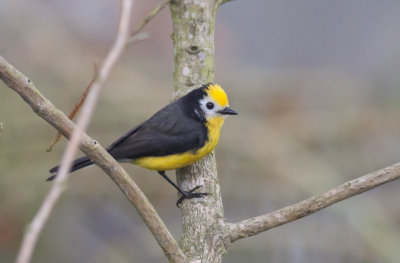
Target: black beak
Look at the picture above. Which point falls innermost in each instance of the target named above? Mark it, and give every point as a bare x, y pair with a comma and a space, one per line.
227, 111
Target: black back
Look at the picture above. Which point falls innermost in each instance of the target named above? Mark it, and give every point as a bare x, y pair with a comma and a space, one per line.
177, 128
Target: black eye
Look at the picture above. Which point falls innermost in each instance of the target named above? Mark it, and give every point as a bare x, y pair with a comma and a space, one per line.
210, 105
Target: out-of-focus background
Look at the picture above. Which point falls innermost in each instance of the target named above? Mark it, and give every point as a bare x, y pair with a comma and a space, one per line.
317, 87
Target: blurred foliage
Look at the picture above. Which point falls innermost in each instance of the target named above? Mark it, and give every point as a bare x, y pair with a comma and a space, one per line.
319, 100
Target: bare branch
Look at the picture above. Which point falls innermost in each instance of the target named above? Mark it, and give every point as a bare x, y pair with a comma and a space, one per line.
36, 226
221, 2
77, 107
146, 20
134, 38
139, 38
313, 204
44, 108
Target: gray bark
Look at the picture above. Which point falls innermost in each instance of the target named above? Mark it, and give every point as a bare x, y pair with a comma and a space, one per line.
203, 218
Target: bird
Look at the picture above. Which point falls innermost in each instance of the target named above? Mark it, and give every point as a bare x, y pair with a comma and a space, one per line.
176, 136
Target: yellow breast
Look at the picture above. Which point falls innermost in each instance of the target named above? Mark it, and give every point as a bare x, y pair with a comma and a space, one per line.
176, 161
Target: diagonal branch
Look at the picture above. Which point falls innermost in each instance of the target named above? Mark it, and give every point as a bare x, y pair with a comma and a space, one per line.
45, 109
30, 238
221, 2
313, 204
146, 20
133, 38
77, 107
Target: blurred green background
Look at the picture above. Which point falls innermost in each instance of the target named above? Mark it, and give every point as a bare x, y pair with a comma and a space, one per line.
316, 84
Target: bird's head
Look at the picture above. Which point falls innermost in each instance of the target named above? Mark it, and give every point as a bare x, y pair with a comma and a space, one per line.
214, 102
208, 101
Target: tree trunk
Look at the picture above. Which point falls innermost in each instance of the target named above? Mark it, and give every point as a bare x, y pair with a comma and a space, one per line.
202, 218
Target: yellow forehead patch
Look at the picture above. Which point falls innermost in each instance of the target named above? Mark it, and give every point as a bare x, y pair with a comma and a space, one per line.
218, 94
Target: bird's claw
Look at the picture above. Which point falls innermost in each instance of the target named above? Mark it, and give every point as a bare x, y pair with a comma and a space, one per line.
190, 195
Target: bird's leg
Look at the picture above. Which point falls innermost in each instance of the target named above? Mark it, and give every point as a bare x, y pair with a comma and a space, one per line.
185, 194
190, 194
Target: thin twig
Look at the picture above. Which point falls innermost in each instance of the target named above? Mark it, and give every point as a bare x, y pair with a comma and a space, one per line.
313, 204
133, 39
77, 107
139, 38
35, 228
147, 19
221, 2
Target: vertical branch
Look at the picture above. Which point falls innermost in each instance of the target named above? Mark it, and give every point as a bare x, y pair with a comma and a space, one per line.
193, 39
36, 226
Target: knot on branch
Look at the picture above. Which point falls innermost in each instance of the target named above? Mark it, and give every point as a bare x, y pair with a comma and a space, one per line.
193, 49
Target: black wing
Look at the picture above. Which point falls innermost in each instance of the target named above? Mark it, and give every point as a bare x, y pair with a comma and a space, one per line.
169, 131
174, 129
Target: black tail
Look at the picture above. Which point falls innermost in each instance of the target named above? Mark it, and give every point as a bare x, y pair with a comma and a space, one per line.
76, 165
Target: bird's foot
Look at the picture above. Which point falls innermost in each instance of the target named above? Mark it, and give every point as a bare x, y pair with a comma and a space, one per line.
190, 195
